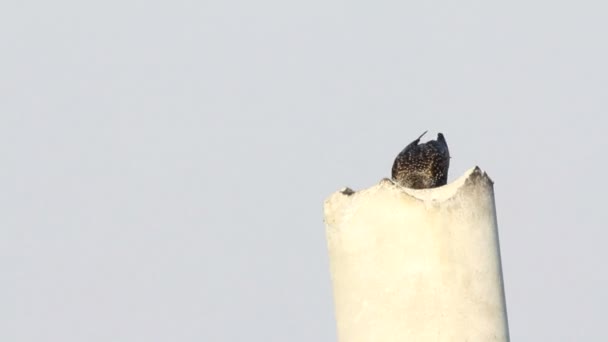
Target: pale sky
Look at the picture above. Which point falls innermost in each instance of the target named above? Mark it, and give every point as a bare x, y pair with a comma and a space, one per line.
165, 163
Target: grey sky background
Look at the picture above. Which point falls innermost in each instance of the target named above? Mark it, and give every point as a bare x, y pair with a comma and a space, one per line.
164, 164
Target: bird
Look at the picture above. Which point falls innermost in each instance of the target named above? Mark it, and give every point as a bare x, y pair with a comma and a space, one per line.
422, 166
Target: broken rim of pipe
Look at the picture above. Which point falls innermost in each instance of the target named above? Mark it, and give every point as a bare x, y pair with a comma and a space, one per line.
442, 193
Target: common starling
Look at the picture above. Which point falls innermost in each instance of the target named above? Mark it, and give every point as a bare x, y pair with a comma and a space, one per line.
423, 166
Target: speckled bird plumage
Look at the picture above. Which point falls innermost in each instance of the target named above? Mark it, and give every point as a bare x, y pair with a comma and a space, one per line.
423, 166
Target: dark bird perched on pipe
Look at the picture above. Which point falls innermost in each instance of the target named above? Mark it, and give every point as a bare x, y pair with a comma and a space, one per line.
423, 166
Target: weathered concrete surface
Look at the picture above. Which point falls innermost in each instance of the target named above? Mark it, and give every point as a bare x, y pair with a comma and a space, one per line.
417, 265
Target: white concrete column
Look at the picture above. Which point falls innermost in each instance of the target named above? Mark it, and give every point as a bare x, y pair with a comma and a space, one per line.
417, 265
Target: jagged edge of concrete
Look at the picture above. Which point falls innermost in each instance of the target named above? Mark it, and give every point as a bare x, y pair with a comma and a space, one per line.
472, 177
